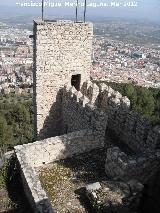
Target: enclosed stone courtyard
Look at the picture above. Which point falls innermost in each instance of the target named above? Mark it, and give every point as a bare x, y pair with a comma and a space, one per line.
65, 180
80, 185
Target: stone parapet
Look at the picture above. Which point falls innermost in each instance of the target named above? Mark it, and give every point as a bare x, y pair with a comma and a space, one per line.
133, 130
120, 165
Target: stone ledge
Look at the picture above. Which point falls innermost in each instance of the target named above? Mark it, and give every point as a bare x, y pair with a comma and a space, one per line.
57, 22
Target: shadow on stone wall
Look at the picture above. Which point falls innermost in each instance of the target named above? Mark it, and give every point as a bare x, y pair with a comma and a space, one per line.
71, 112
112, 139
15, 187
53, 122
151, 199
130, 129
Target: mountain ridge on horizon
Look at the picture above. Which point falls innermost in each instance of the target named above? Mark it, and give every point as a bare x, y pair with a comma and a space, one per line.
127, 13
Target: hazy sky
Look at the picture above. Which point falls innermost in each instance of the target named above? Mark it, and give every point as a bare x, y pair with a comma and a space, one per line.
147, 9
148, 3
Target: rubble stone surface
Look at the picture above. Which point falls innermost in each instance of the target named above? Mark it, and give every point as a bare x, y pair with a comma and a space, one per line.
115, 197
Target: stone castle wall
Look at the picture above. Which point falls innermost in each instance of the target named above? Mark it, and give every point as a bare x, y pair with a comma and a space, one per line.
134, 134
85, 122
79, 113
61, 49
128, 126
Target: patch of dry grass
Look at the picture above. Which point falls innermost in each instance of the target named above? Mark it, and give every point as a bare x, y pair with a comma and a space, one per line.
63, 178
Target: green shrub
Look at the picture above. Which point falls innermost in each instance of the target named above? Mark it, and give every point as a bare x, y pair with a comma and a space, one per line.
16, 120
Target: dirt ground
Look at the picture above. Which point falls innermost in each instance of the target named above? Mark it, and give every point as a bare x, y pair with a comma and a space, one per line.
65, 180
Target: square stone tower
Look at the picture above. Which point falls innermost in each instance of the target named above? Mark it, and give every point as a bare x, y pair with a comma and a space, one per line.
62, 55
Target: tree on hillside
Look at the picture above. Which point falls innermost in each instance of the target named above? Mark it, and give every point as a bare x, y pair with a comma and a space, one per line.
18, 114
20, 120
145, 102
6, 134
130, 92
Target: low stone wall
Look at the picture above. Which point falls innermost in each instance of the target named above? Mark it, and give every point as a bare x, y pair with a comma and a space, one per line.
37, 197
59, 147
125, 167
46, 151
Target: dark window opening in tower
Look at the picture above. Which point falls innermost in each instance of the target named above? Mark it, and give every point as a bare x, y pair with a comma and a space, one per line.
75, 81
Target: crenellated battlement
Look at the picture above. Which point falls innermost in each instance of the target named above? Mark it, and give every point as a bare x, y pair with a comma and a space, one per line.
129, 126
